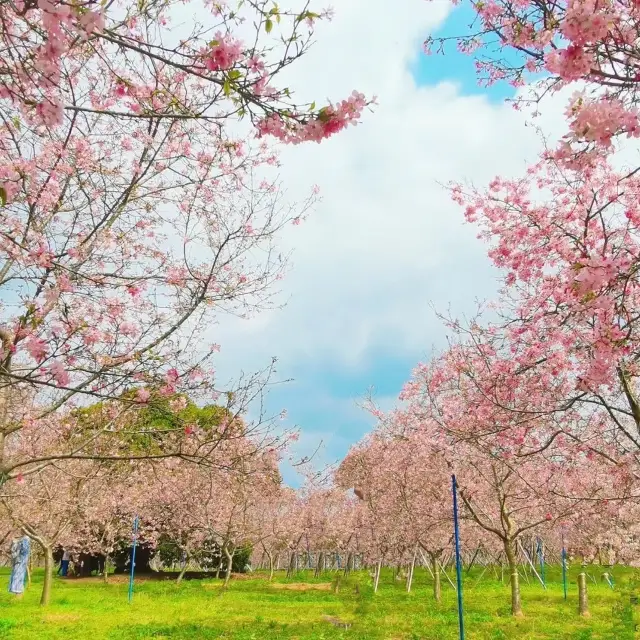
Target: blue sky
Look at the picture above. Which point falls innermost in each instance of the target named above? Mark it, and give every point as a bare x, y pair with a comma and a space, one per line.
455, 66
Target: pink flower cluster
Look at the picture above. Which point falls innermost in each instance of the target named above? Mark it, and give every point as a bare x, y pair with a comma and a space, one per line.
586, 22
224, 53
326, 123
570, 64
599, 121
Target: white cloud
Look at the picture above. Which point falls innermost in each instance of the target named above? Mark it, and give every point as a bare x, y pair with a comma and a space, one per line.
386, 241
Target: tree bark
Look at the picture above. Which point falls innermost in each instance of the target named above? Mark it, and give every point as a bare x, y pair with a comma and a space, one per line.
437, 588
510, 552
183, 570
412, 566
376, 579
271, 566
347, 566
45, 598
583, 604
292, 564
105, 573
229, 556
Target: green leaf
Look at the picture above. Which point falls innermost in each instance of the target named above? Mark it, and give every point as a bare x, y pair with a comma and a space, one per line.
312, 107
234, 74
213, 43
226, 88
3, 196
268, 25
16, 123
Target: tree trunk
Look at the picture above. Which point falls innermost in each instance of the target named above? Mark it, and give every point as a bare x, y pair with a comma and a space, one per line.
271, 566
583, 604
48, 576
105, 573
183, 570
516, 606
347, 566
229, 556
437, 589
319, 564
292, 564
376, 579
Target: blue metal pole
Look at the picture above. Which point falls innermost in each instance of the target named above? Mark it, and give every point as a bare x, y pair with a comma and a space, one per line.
541, 559
133, 557
456, 531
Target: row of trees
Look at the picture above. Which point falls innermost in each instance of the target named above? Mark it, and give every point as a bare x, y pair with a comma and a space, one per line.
139, 201
534, 404
205, 515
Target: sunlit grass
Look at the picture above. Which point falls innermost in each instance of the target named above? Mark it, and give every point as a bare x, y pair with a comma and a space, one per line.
254, 609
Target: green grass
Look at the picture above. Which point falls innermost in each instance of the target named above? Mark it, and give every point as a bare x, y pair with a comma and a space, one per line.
255, 610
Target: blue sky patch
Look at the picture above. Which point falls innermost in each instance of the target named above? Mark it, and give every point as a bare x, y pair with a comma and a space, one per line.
456, 67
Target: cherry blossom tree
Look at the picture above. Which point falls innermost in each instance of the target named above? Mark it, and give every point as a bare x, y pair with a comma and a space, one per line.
587, 44
140, 61
570, 256
48, 505
135, 206
404, 484
119, 497
280, 521
519, 470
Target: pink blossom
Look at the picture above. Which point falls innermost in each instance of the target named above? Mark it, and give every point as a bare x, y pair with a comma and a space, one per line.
143, 395
224, 53
59, 373
37, 348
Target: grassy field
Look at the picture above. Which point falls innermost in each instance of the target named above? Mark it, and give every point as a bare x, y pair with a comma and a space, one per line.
299, 608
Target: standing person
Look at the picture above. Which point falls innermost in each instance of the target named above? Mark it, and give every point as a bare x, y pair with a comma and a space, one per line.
64, 564
20, 550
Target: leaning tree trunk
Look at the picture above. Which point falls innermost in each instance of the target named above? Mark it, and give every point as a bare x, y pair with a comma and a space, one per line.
45, 598
376, 579
183, 570
229, 557
437, 588
516, 605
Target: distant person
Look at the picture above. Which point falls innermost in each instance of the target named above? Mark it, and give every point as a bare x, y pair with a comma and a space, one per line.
20, 550
64, 565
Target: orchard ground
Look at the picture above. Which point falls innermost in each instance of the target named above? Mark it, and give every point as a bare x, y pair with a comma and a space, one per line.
304, 607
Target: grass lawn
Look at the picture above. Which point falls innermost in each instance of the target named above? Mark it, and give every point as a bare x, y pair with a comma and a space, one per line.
299, 608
